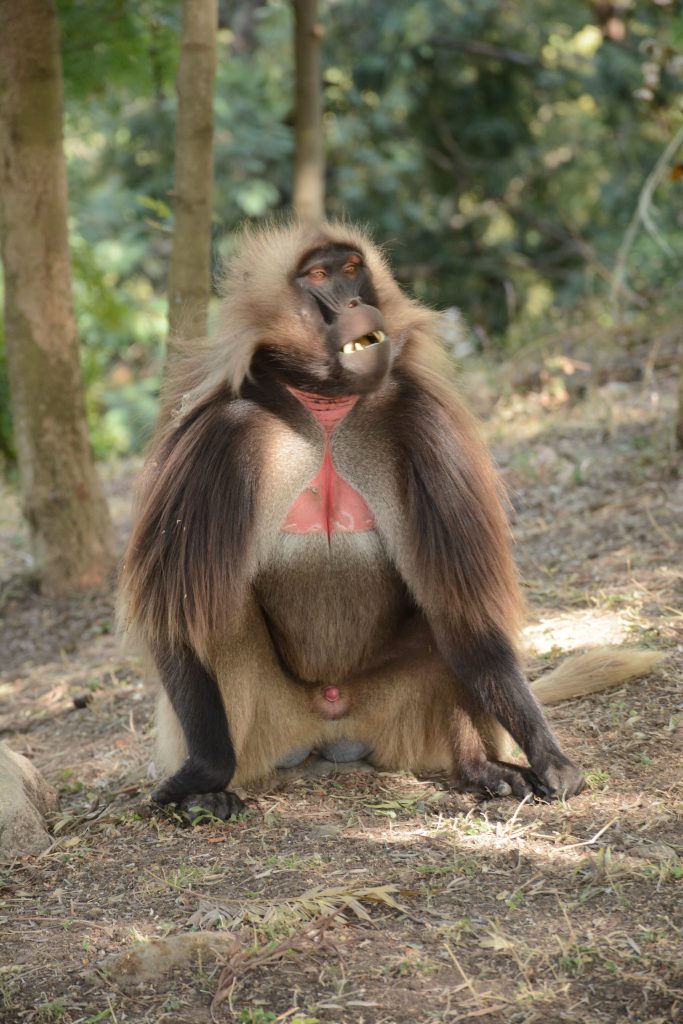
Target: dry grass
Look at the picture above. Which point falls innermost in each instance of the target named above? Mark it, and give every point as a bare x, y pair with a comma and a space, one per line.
362, 898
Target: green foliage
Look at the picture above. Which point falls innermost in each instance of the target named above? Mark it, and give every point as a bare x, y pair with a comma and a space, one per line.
111, 47
498, 148
121, 322
503, 144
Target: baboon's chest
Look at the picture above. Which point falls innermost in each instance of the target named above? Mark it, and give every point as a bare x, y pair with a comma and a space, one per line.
329, 590
328, 504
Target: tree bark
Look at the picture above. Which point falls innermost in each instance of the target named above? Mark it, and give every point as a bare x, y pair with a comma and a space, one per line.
679, 416
309, 157
62, 499
189, 283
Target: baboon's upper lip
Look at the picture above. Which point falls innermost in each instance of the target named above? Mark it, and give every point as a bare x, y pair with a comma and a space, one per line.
371, 338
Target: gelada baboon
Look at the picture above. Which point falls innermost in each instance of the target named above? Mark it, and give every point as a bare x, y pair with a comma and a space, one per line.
321, 558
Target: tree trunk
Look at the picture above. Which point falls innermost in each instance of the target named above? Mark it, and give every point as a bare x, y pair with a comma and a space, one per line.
61, 496
189, 283
679, 417
309, 157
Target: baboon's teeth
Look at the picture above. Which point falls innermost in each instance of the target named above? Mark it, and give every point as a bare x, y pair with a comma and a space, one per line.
371, 338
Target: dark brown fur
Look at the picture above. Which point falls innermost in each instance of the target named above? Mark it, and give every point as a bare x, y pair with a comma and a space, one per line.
415, 621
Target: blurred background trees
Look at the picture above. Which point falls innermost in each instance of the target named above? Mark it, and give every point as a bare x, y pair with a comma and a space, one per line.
69, 526
189, 278
499, 149
308, 181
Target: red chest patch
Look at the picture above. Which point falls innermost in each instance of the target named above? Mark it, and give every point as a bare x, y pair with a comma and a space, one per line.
329, 502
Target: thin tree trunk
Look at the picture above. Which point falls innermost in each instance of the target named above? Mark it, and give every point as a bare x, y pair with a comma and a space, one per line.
679, 417
61, 496
309, 157
189, 283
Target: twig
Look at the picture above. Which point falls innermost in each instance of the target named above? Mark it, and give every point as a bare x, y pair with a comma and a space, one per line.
659, 529
481, 48
524, 800
61, 921
643, 214
594, 839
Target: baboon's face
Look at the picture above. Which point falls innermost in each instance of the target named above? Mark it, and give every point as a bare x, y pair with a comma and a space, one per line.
339, 300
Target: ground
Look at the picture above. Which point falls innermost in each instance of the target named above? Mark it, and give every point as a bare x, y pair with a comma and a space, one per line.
366, 898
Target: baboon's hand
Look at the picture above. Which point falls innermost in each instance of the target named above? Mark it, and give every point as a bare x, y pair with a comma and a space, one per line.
196, 787
201, 807
560, 779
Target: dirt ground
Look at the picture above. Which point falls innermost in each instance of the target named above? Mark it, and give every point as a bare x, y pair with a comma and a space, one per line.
367, 898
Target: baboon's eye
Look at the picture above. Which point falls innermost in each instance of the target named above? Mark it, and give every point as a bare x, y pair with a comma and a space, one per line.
316, 275
352, 265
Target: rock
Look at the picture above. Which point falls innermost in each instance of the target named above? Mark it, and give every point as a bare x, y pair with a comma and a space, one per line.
25, 797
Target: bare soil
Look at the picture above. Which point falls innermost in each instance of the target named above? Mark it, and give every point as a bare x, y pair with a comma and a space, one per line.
355, 896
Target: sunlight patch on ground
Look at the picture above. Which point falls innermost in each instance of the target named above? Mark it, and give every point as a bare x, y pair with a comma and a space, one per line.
538, 841
478, 836
572, 631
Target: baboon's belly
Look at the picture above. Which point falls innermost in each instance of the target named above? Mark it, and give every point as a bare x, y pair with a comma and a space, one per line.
334, 605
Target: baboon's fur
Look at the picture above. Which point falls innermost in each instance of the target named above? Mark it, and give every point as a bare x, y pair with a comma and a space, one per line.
416, 619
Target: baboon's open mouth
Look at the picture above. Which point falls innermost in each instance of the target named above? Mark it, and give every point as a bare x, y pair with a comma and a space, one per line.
371, 338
